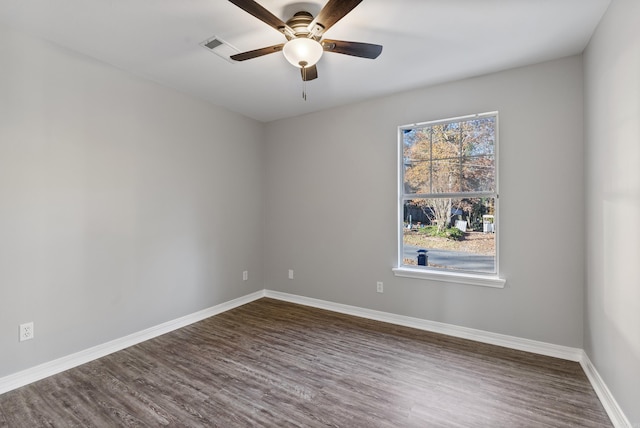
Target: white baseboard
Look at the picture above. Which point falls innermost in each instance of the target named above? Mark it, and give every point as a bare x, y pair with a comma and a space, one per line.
25, 377
542, 348
617, 416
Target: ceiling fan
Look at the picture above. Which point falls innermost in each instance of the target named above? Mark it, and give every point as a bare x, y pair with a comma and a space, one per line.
305, 44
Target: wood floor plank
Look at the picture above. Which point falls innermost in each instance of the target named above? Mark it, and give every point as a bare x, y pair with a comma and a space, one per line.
276, 364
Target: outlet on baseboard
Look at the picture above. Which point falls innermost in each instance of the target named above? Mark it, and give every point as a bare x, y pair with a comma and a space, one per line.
26, 331
380, 287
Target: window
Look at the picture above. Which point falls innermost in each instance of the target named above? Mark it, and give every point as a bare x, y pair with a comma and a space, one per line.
448, 197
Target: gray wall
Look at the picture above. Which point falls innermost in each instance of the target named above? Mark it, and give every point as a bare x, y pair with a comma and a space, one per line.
612, 129
338, 167
122, 204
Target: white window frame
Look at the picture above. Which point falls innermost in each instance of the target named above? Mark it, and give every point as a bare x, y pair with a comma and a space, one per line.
438, 274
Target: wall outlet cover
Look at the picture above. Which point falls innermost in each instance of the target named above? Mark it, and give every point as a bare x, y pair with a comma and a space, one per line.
26, 331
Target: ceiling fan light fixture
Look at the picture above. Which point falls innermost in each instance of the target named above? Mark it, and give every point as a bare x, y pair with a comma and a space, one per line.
302, 52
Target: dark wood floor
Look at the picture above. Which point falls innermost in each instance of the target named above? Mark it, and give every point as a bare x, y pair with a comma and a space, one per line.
276, 364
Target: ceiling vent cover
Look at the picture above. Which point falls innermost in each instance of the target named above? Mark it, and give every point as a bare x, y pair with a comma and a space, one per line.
221, 48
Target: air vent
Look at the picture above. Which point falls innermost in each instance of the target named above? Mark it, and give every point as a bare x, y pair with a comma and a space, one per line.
221, 48
213, 44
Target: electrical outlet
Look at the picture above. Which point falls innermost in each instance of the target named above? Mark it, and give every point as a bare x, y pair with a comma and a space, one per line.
26, 331
245, 275
380, 286
290, 273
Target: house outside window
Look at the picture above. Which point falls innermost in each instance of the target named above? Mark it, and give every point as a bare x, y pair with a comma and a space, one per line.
448, 196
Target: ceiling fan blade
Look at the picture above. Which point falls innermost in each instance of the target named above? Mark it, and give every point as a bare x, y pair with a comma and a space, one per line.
362, 50
243, 56
263, 15
331, 13
309, 73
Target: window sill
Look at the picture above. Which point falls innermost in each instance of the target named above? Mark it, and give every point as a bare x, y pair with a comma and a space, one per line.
458, 278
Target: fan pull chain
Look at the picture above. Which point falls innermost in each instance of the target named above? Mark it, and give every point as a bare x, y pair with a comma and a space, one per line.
304, 79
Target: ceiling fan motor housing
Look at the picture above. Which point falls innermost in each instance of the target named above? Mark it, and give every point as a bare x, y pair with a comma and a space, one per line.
300, 24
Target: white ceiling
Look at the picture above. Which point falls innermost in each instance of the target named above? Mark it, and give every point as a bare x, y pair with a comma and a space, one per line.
425, 42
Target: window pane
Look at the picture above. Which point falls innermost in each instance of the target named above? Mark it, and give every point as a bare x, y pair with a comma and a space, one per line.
454, 234
478, 137
446, 176
445, 142
416, 160
478, 174
417, 177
